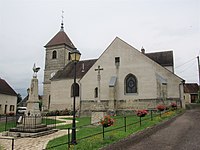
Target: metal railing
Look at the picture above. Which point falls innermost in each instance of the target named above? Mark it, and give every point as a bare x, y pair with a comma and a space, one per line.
150, 117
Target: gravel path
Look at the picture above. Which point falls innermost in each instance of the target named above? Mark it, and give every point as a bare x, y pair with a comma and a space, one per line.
38, 143
31, 143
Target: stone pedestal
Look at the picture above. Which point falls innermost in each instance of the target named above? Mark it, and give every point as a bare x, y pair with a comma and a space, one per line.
98, 113
97, 116
30, 124
33, 114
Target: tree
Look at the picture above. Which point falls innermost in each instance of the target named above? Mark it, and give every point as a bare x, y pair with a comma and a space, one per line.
19, 98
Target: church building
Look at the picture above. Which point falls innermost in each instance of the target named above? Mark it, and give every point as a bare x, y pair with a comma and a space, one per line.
121, 79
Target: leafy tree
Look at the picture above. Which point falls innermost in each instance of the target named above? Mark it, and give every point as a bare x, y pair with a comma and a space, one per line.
19, 98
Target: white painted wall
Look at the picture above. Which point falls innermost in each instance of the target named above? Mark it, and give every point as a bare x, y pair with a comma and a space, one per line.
7, 100
61, 95
131, 61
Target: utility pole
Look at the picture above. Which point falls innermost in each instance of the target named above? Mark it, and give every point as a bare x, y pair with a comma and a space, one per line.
199, 79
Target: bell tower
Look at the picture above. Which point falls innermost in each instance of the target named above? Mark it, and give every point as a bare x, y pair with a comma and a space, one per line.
57, 56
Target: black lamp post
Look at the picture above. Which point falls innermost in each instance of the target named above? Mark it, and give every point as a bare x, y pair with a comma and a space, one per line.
75, 57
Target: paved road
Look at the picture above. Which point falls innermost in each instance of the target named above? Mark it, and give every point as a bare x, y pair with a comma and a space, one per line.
181, 134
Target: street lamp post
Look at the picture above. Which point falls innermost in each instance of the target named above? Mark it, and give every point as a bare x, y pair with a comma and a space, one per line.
75, 57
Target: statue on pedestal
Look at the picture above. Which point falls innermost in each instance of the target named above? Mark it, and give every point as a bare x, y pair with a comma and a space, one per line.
33, 110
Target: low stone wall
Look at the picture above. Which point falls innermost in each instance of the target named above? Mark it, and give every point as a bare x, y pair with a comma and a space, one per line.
123, 106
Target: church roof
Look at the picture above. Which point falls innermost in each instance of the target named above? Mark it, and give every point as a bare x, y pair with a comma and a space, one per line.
59, 39
163, 58
82, 68
191, 88
6, 89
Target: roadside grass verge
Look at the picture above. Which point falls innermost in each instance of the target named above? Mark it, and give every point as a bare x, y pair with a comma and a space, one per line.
112, 134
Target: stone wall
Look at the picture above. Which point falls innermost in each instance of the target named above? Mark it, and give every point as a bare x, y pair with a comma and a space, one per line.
124, 105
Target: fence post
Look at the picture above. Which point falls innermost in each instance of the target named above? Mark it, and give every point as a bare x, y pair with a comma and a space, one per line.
46, 120
68, 129
151, 115
125, 124
55, 121
103, 132
160, 113
35, 120
140, 121
12, 144
24, 117
6, 123
16, 120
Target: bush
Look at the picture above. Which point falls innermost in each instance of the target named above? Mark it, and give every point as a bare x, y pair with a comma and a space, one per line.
59, 113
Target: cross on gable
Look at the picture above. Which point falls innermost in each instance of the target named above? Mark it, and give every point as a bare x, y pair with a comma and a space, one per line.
98, 75
98, 69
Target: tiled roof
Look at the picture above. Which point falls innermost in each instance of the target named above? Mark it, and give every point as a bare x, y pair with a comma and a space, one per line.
82, 68
59, 39
162, 58
191, 88
6, 89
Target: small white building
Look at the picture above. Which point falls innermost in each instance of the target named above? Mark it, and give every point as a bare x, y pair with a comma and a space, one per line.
8, 98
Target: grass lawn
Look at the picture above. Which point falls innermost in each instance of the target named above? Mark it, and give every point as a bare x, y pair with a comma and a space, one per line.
12, 124
49, 121
114, 134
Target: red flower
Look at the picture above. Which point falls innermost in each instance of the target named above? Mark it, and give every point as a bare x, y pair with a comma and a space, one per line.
161, 107
141, 113
173, 105
107, 121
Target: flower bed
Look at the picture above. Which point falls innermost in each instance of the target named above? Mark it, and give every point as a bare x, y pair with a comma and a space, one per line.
141, 113
173, 105
107, 121
161, 107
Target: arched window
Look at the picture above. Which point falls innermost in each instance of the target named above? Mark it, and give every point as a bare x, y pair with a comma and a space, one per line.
69, 57
130, 84
54, 55
96, 92
76, 92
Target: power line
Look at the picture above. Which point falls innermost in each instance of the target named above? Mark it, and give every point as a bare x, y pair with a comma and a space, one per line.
186, 62
189, 67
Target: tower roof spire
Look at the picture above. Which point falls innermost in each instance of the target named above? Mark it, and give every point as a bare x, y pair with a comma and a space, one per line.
62, 24
61, 37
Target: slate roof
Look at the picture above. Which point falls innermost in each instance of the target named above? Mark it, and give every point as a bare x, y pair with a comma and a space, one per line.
82, 68
23, 103
191, 88
163, 58
6, 89
59, 39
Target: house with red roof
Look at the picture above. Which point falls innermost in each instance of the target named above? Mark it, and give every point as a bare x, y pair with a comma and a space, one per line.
8, 98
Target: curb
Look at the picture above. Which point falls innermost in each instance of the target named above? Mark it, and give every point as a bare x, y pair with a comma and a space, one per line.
137, 137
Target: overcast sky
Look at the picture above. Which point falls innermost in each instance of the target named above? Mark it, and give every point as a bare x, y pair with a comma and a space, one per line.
157, 25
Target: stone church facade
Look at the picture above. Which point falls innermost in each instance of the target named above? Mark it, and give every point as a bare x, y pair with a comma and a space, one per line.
129, 79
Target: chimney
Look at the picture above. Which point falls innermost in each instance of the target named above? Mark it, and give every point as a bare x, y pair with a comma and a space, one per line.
83, 67
143, 50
